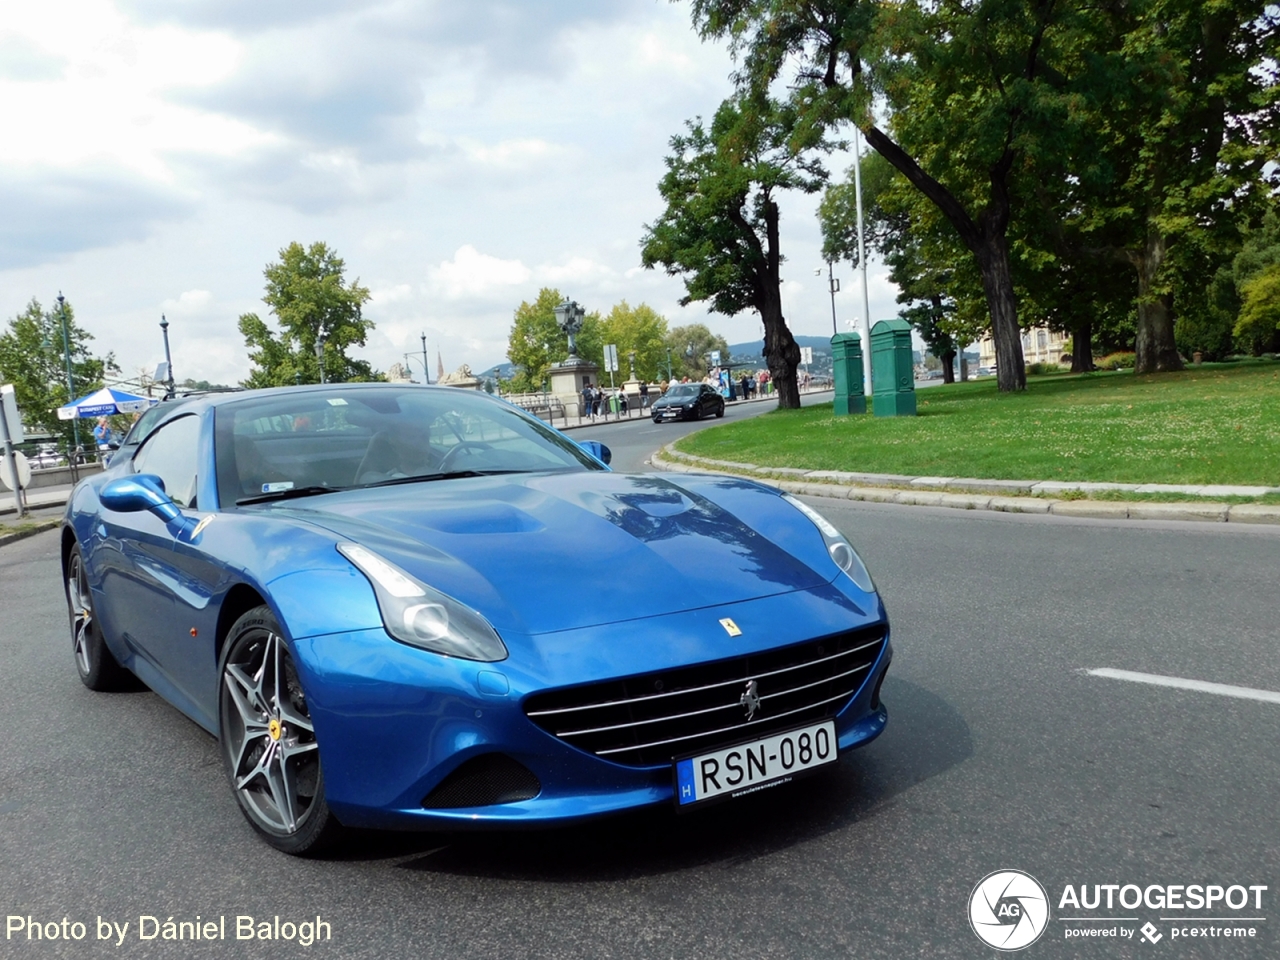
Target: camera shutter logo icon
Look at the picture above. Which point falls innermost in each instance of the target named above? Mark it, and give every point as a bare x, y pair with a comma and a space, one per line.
1009, 910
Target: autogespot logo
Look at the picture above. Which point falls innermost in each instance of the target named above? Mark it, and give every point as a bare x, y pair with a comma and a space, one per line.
1009, 910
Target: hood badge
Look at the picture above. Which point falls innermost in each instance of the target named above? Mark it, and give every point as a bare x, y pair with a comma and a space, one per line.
731, 628
750, 699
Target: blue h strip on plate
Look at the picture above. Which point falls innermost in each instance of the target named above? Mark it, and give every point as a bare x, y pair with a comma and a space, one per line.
684, 782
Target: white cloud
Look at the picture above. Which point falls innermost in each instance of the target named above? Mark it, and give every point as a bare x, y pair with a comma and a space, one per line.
471, 273
158, 153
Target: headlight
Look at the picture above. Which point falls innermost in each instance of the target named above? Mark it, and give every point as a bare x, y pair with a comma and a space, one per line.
841, 550
416, 614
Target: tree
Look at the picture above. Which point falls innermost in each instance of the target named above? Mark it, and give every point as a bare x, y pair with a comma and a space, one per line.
719, 231
1182, 113
974, 91
536, 341
1260, 311
924, 261
690, 346
641, 330
32, 358
312, 303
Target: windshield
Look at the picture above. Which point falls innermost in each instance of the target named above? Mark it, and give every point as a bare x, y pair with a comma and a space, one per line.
339, 438
683, 390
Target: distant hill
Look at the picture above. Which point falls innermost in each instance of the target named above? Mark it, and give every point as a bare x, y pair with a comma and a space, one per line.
502, 371
754, 347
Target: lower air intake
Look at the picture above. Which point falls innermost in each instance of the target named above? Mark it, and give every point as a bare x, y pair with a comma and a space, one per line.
483, 781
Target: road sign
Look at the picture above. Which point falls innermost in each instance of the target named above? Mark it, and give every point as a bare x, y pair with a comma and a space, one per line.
20, 464
10, 402
715, 358
806, 355
611, 357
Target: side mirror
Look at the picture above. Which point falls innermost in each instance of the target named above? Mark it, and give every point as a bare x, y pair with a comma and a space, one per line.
143, 491
597, 450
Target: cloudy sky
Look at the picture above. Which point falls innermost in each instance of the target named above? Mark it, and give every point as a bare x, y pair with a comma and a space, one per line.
459, 156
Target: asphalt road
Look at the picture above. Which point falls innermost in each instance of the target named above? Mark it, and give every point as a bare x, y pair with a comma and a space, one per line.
1000, 753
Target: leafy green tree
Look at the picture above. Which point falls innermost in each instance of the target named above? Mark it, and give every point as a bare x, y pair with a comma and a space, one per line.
690, 346
1260, 312
720, 229
974, 92
536, 342
641, 330
32, 359
312, 302
1181, 113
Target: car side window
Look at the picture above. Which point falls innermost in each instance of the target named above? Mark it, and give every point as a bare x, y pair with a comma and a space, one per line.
170, 453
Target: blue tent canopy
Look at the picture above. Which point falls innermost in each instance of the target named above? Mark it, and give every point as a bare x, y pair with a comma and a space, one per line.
104, 403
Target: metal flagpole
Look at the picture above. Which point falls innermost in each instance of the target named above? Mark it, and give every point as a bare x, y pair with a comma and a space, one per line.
862, 264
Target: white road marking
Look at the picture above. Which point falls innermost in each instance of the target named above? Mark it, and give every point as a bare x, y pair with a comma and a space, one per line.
1202, 686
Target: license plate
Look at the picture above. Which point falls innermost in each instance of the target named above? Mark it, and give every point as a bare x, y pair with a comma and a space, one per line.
758, 765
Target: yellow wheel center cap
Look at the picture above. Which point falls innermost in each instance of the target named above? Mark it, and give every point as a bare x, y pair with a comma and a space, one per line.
274, 729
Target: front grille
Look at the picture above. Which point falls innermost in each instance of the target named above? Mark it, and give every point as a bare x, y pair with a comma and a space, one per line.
647, 720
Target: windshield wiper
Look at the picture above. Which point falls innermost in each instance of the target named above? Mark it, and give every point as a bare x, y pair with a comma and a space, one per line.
428, 477
289, 494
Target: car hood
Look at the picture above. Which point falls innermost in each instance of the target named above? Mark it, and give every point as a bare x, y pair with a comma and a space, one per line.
540, 553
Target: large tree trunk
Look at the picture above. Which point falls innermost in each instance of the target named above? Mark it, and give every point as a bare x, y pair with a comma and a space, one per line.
781, 352
1082, 347
986, 239
948, 374
997, 282
1155, 348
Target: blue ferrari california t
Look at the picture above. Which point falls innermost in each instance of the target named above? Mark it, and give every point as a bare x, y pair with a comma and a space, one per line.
421, 607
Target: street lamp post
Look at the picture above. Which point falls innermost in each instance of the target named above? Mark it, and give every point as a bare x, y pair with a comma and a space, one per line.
669, 374
426, 372
320, 357
168, 363
862, 264
833, 284
66, 354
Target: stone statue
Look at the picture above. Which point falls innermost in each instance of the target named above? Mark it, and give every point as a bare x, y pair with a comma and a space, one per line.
461, 375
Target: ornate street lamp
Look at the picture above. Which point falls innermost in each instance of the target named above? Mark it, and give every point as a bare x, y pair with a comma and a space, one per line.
569, 317
320, 356
168, 362
66, 353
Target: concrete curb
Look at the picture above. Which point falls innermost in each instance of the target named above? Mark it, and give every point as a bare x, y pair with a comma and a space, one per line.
40, 527
933, 492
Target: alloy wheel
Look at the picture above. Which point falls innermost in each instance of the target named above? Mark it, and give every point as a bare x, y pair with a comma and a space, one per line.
81, 608
268, 736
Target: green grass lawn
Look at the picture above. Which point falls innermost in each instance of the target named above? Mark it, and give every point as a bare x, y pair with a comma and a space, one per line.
1219, 423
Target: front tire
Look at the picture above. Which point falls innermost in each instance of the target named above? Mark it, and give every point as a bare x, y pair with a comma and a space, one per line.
720, 411
98, 668
268, 742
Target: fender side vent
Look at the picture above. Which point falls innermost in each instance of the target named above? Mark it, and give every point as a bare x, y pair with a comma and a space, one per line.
483, 781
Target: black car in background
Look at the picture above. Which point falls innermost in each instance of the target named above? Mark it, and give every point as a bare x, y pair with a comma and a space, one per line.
688, 401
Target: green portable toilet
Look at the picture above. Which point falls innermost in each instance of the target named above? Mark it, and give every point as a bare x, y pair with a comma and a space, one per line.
846, 350
892, 375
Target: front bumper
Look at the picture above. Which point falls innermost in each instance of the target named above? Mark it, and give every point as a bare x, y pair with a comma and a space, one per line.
393, 721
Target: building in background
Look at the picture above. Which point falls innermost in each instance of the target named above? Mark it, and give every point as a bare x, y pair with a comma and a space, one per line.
1039, 345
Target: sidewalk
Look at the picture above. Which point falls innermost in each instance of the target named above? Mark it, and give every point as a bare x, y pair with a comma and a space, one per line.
1007, 496
39, 498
